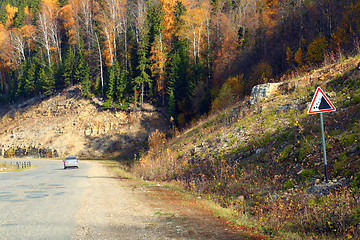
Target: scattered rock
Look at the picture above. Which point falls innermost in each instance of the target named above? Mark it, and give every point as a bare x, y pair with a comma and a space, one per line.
325, 188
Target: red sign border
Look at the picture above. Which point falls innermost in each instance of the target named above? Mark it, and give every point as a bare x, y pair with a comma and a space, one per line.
332, 109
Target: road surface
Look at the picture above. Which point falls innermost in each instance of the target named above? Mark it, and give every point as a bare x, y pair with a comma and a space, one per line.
41, 203
93, 202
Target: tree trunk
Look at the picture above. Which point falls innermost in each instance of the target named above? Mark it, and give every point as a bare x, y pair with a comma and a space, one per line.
142, 94
101, 66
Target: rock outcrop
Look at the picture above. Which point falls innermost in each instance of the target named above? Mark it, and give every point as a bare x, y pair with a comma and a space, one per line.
322, 75
67, 124
263, 90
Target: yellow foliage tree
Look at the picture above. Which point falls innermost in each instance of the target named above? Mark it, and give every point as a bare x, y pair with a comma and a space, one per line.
194, 27
11, 11
299, 57
289, 56
316, 50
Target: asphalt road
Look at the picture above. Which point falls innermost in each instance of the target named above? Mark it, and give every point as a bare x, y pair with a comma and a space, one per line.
41, 203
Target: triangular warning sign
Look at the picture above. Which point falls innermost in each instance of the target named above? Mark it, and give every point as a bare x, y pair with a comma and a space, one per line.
320, 103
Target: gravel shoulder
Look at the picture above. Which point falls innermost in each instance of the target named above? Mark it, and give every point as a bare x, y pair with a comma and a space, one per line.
118, 208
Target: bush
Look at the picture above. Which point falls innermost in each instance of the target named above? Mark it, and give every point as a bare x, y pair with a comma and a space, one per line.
304, 149
225, 99
237, 85
348, 139
307, 174
285, 153
356, 98
288, 185
316, 50
9, 153
261, 73
108, 104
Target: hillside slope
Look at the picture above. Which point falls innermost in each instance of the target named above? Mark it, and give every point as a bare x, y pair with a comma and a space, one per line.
67, 124
263, 157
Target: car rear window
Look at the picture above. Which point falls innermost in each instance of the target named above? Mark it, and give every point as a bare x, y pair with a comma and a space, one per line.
70, 158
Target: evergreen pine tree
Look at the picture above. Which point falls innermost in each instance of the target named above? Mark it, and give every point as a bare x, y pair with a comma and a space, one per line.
13, 86
46, 76
68, 68
79, 68
117, 75
97, 86
29, 87
142, 67
85, 82
172, 105
20, 82
110, 84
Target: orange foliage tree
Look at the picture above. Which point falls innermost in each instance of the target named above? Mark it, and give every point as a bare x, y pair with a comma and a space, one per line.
227, 47
48, 28
158, 59
71, 23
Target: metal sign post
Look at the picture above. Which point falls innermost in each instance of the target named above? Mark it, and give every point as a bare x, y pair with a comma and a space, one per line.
324, 148
320, 104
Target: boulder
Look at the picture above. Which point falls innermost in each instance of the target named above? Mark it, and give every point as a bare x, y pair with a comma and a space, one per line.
262, 91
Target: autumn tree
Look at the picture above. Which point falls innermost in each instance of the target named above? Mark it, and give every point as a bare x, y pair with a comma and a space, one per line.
11, 12
18, 45
69, 14
299, 57
226, 52
316, 50
48, 29
195, 26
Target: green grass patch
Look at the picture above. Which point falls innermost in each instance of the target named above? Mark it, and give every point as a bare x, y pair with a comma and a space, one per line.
307, 174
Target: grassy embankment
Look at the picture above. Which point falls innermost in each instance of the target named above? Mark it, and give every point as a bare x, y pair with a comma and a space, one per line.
258, 162
5, 167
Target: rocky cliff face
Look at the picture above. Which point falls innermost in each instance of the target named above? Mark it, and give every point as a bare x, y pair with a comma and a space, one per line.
68, 124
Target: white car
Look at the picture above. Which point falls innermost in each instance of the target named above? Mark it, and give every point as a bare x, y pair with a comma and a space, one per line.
71, 162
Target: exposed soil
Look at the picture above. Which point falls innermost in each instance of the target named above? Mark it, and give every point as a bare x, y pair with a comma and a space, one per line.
68, 124
113, 207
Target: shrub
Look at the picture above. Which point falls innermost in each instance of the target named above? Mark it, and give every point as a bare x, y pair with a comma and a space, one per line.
261, 73
288, 185
156, 139
316, 50
307, 175
348, 140
9, 153
285, 153
225, 99
356, 98
108, 104
304, 149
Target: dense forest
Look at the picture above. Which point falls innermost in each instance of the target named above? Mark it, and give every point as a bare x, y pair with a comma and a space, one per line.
190, 56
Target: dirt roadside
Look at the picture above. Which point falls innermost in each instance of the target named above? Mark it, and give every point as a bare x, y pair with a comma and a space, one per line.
118, 208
